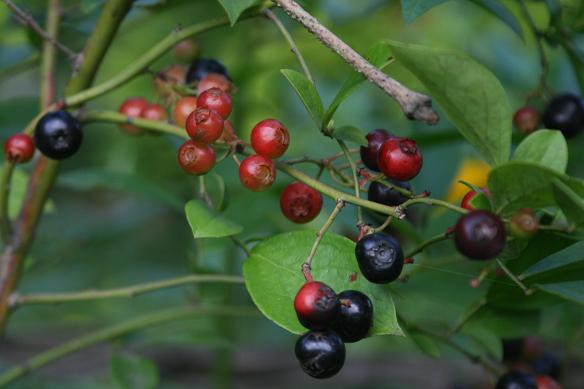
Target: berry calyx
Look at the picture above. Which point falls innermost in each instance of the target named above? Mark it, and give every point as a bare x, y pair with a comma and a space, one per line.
545, 382
516, 380
154, 112
476, 200
526, 119
58, 135
524, 224
355, 316
214, 80
300, 203
270, 138
316, 305
203, 66
257, 173
204, 125
182, 109
383, 194
400, 159
19, 148
565, 113
370, 154
479, 235
321, 354
132, 108
380, 257
196, 158
215, 99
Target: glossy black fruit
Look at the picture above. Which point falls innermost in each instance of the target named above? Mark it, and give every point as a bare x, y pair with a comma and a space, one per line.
516, 380
479, 235
380, 257
383, 194
58, 135
565, 112
321, 354
355, 317
203, 66
547, 364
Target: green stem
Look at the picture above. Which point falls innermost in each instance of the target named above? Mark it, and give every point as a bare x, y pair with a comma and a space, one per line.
514, 278
49, 55
431, 201
5, 179
238, 242
347, 154
26, 64
116, 117
429, 242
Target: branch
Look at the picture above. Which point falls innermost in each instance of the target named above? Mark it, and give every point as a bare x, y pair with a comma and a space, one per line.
49, 55
414, 105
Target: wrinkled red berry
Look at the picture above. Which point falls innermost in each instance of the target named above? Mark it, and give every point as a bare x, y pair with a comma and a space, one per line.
19, 148
400, 159
300, 203
215, 99
204, 125
257, 173
270, 138
196, 158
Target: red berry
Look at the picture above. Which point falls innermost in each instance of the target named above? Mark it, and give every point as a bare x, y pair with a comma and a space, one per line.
300, 203
526, 119
215, 99
186, 50
400, 159
257, 173
545, 382
270, 138
466, 201
316, 305
196, 158
154, 112
165, 81
214, 80
132, 108
19, 148
182, 109
370, 154
479, 235
204, 125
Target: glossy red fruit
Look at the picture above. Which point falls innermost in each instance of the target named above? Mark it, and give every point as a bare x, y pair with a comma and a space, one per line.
370, 154
468, 198
400, 159
214, 80
545, 382
132, 108
19, 148
216, 100
182, 109
479, 235
154, 112
526, 119
270, 138
316, 305
257, 173
204, 125
300, 203
196, 158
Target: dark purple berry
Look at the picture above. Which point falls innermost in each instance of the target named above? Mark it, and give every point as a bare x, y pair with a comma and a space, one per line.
321, 354
203, 66
383, 194
380, 257
355, 317
565, 113
516, 380
479, 235
548, 365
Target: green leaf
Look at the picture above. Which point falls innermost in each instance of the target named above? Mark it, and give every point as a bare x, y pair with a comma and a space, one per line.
577, 61
565, 257
132, 371
507, 323
411, 9
470, 95
572, 291
425, 344
207, 223
350, 134
307, 93
546, 147
234, 8
273, 277
571, 204
488, 341
502, 13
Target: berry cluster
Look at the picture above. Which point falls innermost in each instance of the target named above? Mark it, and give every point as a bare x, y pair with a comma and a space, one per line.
333, 320
137, 107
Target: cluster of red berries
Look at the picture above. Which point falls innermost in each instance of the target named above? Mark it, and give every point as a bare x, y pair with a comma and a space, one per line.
137, 107
333, 320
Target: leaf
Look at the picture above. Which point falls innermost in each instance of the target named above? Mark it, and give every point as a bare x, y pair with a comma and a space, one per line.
576, 60
425, 344
571, 204
234, 8
207, 223
507, 323
489, 343
411, 9
272, 277
572, 291
350, 134
502, 13
307, 93
565, 257
132, 371
471, 96
546, 147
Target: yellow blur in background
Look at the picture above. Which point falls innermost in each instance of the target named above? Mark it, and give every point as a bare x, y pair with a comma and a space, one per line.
474, 171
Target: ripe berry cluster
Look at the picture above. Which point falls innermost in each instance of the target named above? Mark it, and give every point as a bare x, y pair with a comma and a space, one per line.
137, 107
333, 320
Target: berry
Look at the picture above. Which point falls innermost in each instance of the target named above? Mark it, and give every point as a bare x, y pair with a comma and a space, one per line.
400, 159
369, 154
214, 80
526, 119
132, 108
479, 235
204, 125
182, 109
216, 100
154, 112
203, 66
355, 317
380, 257
513, 350
565, 113
19, 148
321, 354
270, 138
524, 224
165, 81
516, 380
196, 158
300, 203
547, 364
545, 382
257, 173
316, 305
474, 200
383, 194
186, 50
58, 135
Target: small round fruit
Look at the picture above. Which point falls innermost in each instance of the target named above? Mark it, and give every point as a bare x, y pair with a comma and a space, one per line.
400, 159
196, 158
370, 154
214, 80
182, 109
526, 119
513, 350
479, 235
203, 66
545, 382
470, 198
547, 364
316, 305
355, 317
383, 194
257, 173
58, 135
19, 148
565, 113
186, 50
380, 257
154, 112
165, 80
300, 203
270, 138
321, 353
132, 108
216, 100
524, 224
204, 125
516, 380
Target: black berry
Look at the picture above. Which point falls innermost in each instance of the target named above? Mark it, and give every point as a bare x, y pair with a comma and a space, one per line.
369, 154
516, 380
58, 135
565, 112
383, 194
513, 349
316, 305
203, 66
355, 316
548, 365
321, 354
380, 258
479, 235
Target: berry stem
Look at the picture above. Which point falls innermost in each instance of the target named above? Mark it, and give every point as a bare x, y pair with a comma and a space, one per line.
514, 278
347, 153
5, 179
48, 60
382, 226
431, 201
429, 242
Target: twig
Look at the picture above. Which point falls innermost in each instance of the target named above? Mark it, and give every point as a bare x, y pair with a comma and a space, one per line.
239, 243
347, 153
431, 201
514, 278
429, 242
49, 55
5, 179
